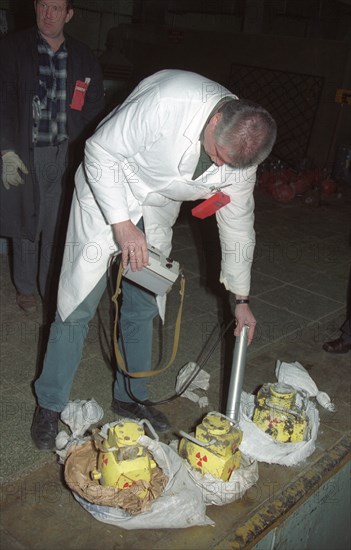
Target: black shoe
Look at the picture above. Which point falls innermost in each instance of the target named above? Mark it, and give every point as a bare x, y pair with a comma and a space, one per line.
45, 428
337, 346
134, 410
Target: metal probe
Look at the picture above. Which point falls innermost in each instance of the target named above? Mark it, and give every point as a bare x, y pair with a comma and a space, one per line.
237, 375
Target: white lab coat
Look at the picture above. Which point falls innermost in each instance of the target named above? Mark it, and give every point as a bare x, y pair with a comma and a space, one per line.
140, 162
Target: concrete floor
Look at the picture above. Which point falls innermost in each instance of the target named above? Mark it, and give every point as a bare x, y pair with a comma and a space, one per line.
299, 288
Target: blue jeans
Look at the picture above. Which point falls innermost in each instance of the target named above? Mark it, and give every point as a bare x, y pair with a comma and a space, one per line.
66, 341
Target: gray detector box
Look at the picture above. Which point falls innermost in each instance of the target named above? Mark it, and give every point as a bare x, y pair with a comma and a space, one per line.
157, 277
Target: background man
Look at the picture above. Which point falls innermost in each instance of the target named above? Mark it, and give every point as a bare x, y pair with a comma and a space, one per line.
177, 137
342, 344
51, 95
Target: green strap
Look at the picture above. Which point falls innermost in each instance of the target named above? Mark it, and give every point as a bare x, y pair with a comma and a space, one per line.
120, 360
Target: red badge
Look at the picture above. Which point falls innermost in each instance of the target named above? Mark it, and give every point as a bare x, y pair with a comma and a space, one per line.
79, 94
210, 206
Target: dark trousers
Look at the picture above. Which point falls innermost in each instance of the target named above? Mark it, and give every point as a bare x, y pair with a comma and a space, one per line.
35, 263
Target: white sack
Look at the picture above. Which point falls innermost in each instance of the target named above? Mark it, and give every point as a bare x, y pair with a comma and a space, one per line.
200, 382
297, 376
180, 505
260, 446
78, 415
219, 492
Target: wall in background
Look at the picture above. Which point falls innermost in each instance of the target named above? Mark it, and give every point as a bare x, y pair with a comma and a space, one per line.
134, 38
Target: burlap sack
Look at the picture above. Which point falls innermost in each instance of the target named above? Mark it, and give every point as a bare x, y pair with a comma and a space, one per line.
82, 459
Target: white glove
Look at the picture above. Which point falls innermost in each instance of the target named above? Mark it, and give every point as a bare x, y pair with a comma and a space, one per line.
11, 163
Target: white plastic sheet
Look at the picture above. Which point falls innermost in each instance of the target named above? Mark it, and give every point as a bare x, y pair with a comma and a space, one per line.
260, 446
218, 492
78, 415
297, 376
201, 382
181, 504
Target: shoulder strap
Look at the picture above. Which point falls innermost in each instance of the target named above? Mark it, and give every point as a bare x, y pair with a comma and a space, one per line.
120, 360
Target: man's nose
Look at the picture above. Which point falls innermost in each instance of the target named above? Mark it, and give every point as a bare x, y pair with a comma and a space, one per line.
49, 12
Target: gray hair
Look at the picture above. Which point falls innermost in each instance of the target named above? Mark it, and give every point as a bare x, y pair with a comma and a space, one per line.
246, 130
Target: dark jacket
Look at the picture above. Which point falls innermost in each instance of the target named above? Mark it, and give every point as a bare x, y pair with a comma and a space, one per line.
19, 82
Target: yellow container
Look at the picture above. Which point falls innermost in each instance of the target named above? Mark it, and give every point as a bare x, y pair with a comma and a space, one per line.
121, 460
282, 396
215, 447
281, 413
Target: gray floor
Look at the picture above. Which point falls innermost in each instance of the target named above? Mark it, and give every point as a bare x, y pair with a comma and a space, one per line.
299, 286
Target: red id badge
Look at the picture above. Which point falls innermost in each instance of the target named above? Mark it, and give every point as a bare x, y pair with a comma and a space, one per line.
79, 95
210, 206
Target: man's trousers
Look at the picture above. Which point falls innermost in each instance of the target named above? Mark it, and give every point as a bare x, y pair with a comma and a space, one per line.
41, 259
66, 341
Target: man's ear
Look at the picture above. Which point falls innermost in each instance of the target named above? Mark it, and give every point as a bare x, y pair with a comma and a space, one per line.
215, 119
69, 15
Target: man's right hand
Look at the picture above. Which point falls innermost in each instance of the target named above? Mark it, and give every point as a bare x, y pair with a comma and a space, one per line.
132, 243
11, 164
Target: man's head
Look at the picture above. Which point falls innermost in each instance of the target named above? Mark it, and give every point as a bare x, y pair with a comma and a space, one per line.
240, 134
51, 16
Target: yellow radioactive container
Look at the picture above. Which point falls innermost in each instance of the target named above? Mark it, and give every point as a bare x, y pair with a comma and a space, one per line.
121, 460
281, 412
215, 447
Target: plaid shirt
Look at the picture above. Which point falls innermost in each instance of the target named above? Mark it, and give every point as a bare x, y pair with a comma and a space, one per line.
49, 107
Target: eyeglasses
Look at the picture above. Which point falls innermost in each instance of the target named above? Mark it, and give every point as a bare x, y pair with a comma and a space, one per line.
53, 7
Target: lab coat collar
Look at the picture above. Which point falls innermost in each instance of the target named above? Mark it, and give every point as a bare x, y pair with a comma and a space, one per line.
192, 134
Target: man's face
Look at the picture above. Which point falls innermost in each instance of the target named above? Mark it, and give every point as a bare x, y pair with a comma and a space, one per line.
218, 154
52, 15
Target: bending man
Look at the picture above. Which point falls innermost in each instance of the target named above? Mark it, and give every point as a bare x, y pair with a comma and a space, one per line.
177, 137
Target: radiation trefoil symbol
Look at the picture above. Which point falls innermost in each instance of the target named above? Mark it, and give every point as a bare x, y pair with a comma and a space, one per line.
201, 459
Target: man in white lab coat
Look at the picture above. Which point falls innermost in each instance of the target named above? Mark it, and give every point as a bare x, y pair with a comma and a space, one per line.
178, 137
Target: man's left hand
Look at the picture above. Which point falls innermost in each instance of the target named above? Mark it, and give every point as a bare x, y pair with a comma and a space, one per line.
12, 165
244, 316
